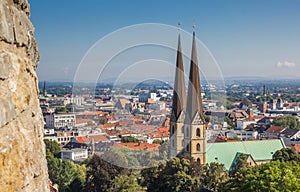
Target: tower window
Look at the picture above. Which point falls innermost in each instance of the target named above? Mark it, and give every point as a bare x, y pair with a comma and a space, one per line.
172, 129
198, 160
187, 131
198, 132
182, 129
198, 147
188, 147
182, 142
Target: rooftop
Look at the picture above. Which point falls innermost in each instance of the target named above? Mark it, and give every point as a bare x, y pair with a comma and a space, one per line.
275, 129
225, 152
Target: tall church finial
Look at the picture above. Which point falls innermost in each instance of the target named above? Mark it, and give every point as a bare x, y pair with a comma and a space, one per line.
194, 26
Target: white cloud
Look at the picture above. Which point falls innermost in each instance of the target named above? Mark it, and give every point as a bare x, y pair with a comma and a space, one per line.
285, 64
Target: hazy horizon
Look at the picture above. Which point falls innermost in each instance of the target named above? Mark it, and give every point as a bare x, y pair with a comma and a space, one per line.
246, 38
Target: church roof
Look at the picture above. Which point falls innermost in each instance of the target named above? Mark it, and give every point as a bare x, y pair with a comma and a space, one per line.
194, 100
179, 93
225, 152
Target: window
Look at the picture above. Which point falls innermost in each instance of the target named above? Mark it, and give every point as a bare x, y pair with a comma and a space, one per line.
173, 129
188, 147
198, 132
187, 131
198, 160
182, 129
182, 142
198, 147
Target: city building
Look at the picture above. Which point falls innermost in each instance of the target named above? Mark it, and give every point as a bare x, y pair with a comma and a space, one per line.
74, 154
60, 120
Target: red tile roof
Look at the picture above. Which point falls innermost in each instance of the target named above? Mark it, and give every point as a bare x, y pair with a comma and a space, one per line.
118, 132
80, 121
138, 146
254, 118
87, 139
297, 148
275, 129
109, 125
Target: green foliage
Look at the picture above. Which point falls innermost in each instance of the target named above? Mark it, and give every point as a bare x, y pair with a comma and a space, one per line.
287, 121
102, 121
158, 141
172, 176
240, 164
64, 173
150, 176
270, 177
129, 139
230, 123
126, 183
100, 173
53, 147
229, 105
78, 184
286, 154
274, 176
216, 174
61, 110
69, 176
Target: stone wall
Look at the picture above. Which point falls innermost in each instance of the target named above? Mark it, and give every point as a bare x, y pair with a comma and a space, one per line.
23, 166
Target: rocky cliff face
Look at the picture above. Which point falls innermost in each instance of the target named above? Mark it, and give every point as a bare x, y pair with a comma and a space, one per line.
23, 166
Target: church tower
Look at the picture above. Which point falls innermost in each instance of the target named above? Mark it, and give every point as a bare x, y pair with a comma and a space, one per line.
195, 128
178, 109
44, 89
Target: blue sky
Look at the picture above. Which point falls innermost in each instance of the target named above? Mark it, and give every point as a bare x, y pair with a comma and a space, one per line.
246, 37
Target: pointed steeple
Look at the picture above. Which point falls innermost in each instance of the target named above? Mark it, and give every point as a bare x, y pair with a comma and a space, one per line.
179, 93
194, 100
44, 89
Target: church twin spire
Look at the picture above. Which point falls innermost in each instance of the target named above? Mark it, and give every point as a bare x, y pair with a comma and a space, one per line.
187, 128
193, 102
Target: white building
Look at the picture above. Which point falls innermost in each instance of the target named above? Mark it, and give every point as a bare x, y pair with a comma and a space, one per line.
49, 131
60, 120
74, 154
242, 134
153, 96
76, 100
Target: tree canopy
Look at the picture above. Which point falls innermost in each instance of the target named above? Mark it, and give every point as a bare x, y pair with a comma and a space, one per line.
287, 121
286, 154
52, 147
65, 173
126, 183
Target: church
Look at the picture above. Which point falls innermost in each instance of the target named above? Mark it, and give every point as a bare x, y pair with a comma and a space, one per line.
187, 126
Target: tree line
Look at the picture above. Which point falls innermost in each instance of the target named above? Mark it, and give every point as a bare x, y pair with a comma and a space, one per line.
96, 174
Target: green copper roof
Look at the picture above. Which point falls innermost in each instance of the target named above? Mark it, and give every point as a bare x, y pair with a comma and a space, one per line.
225, 152
237, 155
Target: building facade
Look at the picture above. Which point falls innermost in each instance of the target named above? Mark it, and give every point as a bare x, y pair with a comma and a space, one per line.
65, 120
74, 154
